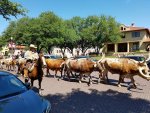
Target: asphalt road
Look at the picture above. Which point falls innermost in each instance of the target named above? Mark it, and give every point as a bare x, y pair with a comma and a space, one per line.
72, 97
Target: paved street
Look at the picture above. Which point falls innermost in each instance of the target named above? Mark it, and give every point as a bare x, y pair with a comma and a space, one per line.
72, 97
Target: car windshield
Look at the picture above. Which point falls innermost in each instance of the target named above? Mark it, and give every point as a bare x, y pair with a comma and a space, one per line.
10, 85
52, 56
83, 57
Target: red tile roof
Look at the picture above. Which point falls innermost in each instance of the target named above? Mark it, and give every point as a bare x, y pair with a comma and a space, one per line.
132, 28
20, 47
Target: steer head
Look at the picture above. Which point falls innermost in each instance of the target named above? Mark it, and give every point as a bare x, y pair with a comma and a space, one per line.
143, 70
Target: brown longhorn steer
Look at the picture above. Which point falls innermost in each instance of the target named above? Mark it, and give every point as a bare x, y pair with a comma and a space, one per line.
54, 65
126, 68
81, 66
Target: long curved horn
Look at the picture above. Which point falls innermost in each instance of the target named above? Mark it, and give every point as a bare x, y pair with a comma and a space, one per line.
147, 77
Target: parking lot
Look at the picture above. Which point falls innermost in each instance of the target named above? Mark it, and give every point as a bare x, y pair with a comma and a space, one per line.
72, 97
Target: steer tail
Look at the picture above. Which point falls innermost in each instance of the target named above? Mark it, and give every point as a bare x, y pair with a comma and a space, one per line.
63, 67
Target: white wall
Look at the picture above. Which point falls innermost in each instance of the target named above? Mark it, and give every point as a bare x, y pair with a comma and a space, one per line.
57, 51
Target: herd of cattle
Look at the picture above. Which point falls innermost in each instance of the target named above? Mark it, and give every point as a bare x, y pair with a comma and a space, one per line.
72, 67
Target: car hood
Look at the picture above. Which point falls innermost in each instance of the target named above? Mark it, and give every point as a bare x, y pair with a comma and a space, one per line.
27, 102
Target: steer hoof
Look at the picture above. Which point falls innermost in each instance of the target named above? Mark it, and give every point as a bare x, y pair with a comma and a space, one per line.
98, 81
136, 84
119, 85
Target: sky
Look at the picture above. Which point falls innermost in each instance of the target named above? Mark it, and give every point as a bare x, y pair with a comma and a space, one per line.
124, 11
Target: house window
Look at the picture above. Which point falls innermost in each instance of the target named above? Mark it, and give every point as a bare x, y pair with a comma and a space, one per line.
135, 34
110, 47
135, 46
122, 47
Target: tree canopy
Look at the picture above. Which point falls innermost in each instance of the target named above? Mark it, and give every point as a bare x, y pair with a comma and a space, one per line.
8, 8
48, 30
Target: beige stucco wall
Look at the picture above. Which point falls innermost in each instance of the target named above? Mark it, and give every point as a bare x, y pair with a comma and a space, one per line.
129, 38
143, 40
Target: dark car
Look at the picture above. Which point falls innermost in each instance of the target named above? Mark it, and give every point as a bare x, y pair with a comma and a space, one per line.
16, 97
138, 58
52, 56
77, 57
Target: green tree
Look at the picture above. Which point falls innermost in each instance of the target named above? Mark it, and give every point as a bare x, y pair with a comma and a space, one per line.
78, 24
3, 41
68, 37
8, 8
19, 30
87, 33
50, 29
107, 30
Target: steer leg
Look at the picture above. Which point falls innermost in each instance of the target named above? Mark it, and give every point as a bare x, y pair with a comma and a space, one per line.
133, 82
61, 72
99, 79
68, 74
80, 77
120, 79
47, 71
90, 79
32, 82
105, 76
55, 73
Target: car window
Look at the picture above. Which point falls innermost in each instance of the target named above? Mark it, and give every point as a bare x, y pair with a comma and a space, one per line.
10, 85
137, 58
46, 57
56, 57
53, 57
82, 57
142, 58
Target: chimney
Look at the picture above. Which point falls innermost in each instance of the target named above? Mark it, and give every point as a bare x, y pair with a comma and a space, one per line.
132, 24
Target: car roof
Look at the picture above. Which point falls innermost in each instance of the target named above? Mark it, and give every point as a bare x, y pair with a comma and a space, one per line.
82, 57
135, 57
5, 73
49, 55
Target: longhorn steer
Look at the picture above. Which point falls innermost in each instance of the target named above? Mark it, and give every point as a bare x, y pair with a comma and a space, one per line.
127, 68
21, 64
81, 66
55, 65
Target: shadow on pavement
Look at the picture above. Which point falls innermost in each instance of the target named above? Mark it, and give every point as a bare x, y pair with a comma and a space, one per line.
109, 101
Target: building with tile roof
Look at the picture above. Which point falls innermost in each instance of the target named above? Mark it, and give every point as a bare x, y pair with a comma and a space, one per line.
133, 39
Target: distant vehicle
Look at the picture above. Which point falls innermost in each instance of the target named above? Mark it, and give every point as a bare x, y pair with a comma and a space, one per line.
138, 58
17, 97
52, 56
78, 57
